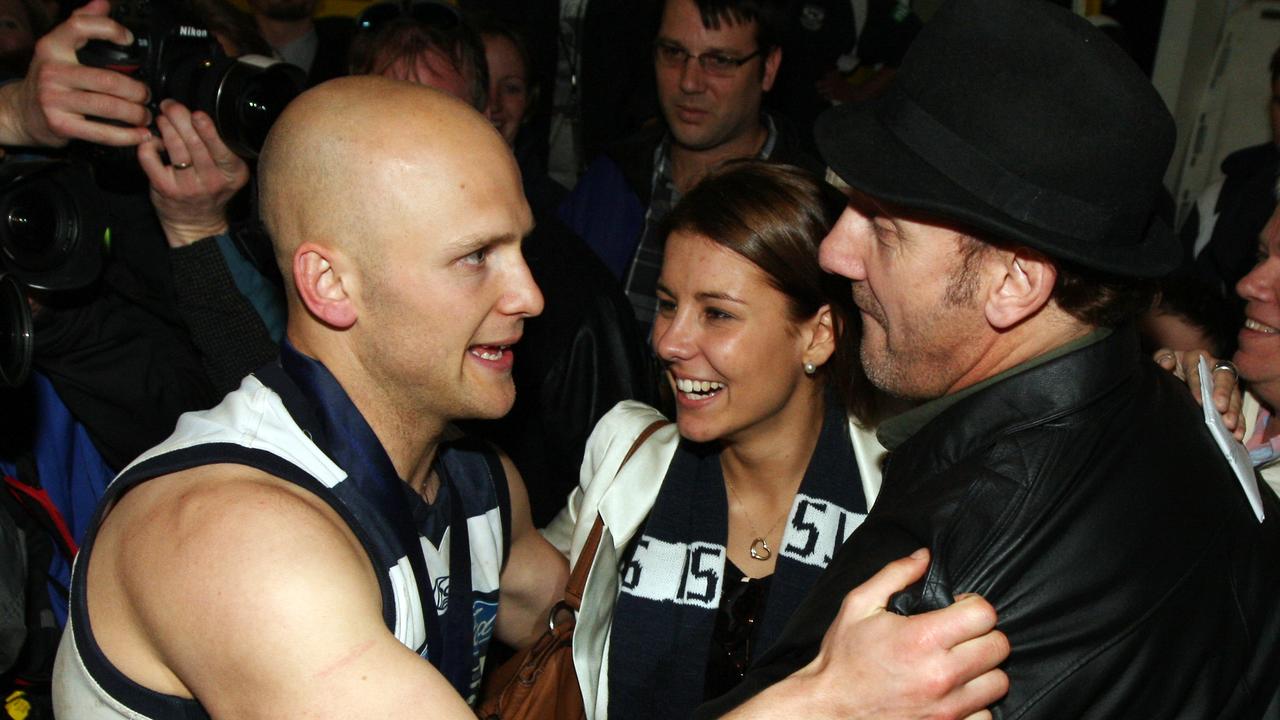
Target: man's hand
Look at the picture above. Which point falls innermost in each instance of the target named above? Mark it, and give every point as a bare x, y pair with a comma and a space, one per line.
191, 193
51, 104
875, 664
1227, 395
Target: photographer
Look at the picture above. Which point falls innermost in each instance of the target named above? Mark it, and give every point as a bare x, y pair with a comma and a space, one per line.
49, 106
144, 344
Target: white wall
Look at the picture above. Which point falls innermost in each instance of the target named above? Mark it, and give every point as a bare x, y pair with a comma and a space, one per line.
1211, 69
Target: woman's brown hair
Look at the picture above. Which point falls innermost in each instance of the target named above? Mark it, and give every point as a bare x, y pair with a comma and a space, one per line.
776, 217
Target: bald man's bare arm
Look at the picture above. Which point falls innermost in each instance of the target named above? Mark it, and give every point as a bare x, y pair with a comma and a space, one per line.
252, 596
535, 575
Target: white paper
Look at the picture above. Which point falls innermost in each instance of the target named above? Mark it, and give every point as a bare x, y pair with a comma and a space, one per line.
1235, 452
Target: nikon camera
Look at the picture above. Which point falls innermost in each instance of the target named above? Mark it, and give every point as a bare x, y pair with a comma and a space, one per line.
53, 214
178, 58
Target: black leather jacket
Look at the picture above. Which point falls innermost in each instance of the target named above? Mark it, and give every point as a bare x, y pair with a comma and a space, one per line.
1086, 500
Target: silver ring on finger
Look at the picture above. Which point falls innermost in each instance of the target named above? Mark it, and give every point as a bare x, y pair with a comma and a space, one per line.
1227, 366
181, 165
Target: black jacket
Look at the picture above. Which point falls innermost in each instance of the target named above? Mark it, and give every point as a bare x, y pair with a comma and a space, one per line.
1085, 499
119, 353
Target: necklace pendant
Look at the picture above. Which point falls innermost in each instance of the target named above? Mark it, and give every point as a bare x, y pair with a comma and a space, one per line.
760, 549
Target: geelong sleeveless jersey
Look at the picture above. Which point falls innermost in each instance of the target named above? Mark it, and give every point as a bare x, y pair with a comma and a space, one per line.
294, 422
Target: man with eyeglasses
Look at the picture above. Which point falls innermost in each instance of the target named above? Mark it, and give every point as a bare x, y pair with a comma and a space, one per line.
713, 63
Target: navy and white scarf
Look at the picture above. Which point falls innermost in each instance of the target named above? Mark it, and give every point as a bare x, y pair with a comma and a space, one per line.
670, 585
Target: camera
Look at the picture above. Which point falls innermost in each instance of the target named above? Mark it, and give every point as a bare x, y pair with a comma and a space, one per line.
178, 58
53, 237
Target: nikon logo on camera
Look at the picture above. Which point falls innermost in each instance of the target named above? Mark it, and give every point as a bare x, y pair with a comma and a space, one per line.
192, 32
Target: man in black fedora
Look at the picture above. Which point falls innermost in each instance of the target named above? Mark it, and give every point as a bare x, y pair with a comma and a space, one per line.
999, 227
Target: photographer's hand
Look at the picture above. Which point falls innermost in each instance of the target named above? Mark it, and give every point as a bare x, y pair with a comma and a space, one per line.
191, 193
49, 106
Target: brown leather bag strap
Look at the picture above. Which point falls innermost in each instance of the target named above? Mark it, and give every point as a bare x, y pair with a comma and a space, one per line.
578, 578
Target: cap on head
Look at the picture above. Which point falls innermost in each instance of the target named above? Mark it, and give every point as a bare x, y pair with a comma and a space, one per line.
1021, 121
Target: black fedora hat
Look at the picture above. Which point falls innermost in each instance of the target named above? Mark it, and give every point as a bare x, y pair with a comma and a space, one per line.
1021, 121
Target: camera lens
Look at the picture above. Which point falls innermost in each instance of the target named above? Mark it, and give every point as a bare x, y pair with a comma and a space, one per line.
52, 220
251, 95
16, 336
31, 228
34, 236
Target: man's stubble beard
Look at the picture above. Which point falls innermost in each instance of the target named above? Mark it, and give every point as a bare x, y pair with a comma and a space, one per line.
923, 370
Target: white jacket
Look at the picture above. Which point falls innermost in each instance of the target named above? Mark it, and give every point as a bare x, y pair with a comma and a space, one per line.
623, 496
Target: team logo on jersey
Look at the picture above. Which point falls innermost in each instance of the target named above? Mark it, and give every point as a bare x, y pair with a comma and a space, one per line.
442, 595
484, 615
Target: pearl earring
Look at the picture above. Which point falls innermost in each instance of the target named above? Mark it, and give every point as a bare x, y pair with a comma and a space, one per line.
810, 368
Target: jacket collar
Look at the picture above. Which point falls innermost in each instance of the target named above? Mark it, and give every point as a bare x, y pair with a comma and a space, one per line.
1033, 396
898, 429
627, 502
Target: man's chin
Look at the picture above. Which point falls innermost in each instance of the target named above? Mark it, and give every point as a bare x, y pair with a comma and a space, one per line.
693, 141
888, 376
876, 369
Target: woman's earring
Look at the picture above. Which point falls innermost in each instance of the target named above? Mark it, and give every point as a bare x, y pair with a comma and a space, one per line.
810, 368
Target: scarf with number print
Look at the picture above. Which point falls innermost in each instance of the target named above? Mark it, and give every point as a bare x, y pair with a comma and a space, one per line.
672, 575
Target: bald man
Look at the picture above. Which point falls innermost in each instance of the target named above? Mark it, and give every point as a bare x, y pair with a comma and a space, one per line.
274, 556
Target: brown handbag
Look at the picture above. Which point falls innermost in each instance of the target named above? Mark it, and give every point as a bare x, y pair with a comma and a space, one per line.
540, 683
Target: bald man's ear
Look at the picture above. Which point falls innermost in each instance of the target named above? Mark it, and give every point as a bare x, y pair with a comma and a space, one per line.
1024, 282
320, 286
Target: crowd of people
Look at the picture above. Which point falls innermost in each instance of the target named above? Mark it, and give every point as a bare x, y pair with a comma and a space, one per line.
852, 360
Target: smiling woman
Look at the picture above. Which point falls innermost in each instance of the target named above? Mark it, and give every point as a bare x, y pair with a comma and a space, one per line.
720, 529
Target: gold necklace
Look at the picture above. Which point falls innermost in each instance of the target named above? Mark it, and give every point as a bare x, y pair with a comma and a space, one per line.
760, 549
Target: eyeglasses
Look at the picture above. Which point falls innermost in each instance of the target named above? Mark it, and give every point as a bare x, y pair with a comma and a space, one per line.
713, 63
429, 12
